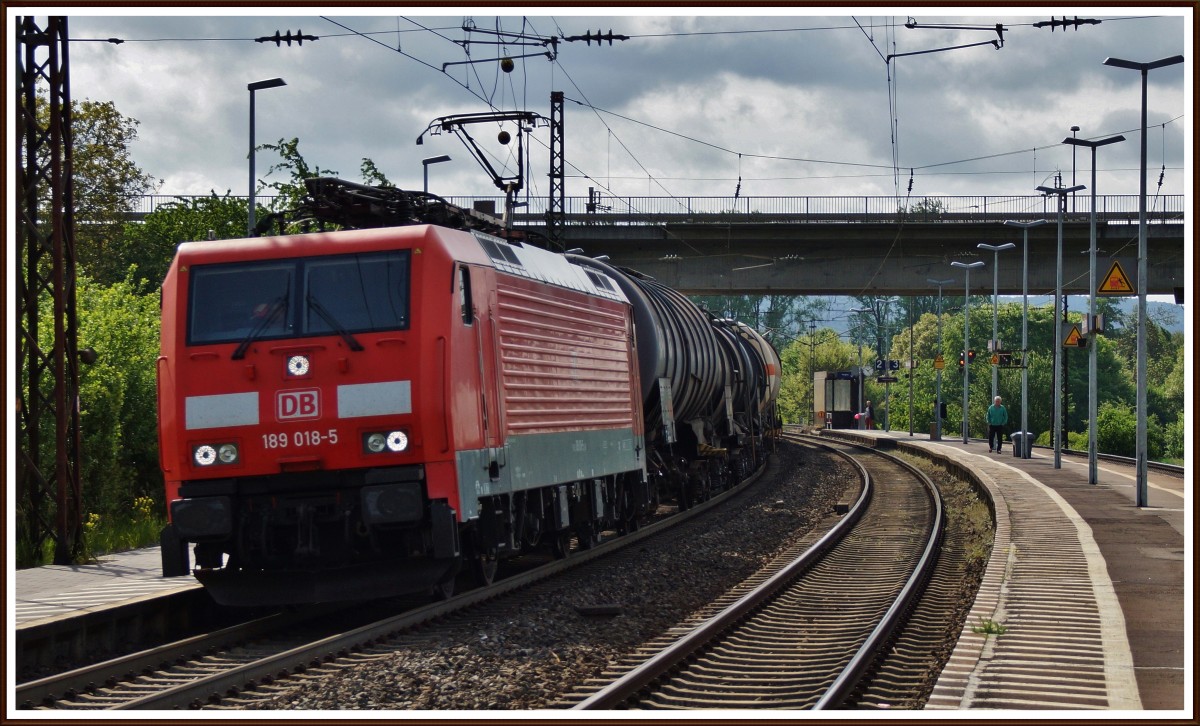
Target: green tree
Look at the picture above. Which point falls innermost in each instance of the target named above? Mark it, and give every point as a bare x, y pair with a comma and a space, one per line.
925, 349
781, 316
925, 210
117, 394
1116, 429
117, 398
290, 192
1173, 441
106, 183
373, 176
150, 244
817, 350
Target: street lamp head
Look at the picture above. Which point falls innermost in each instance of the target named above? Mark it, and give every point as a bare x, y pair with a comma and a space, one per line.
1025, 225
1094, 144
1074, 129
939, 283
967, 265
995, 248
435, 159
269, 83
1060, 190
1134, 65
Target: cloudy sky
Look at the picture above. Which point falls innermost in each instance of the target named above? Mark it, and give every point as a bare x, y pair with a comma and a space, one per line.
804, 101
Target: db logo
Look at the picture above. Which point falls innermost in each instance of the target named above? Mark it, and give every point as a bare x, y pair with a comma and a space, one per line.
293, 405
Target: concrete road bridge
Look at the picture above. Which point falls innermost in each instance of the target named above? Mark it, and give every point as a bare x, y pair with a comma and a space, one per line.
866, 246
861, 245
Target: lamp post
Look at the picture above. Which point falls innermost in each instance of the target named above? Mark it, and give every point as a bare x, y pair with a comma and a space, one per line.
937, 404
1026, 447
995, 346
425, 168
1074, 130
812, 366
910, 367
1062, 193
1142, 484
252, 87
860, 367
966, 267
1091, 338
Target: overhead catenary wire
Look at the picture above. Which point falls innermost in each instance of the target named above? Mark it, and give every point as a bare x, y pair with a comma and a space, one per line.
440, 32
674, 34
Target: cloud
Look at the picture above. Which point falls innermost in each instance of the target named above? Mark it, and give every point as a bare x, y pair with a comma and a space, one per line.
814, 86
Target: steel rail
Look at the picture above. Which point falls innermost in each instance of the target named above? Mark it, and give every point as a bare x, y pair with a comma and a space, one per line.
879, 637
627, 686
213, 687
621, 689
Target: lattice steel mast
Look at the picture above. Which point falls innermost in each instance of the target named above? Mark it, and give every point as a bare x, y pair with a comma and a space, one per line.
47, 410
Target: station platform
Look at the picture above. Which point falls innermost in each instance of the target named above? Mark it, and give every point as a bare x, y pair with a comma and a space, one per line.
51, 592
1083, 604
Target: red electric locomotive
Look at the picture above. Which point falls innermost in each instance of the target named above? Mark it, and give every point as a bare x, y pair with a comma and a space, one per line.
357, 413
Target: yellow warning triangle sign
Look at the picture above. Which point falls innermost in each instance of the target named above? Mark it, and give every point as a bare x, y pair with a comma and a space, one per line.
1116, 282
1073, 337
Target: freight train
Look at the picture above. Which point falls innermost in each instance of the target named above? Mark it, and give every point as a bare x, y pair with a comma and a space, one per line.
357, 413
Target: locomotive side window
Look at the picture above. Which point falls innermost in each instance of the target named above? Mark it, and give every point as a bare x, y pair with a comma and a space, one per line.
229, 302
464, 295
240, 302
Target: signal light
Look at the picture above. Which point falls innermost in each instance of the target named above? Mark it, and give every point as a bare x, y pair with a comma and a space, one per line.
971, 355
961, 361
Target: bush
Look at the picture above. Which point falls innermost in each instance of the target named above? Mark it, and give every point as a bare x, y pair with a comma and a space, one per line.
1116, 429
118, 420
118, 397
1173, 441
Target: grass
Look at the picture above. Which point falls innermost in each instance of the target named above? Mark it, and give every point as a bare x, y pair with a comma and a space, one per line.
987, 626
132, 528
128, 530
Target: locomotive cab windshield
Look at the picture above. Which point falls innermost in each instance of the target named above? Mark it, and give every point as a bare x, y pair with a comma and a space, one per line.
342, 294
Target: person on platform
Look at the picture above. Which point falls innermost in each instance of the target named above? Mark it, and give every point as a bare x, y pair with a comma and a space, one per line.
869, 412
997, 417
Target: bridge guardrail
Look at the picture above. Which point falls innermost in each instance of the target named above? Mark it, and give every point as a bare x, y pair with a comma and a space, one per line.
1120, 208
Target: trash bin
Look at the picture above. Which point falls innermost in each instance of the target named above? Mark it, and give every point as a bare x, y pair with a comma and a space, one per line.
1022, 441
861, 418
934, 434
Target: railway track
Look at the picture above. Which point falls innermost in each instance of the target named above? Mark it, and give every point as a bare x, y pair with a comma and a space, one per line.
808, 631
222, 667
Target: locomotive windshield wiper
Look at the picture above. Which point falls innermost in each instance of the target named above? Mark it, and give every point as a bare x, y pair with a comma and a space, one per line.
333, 323
276, 307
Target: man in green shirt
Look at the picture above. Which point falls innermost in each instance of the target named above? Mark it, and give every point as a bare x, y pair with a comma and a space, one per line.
997, 416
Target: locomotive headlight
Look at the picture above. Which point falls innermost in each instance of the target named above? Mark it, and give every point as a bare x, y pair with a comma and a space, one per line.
376, 443
205, 455
227, 453
380, 442
397, 441
298, 365
219, 454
